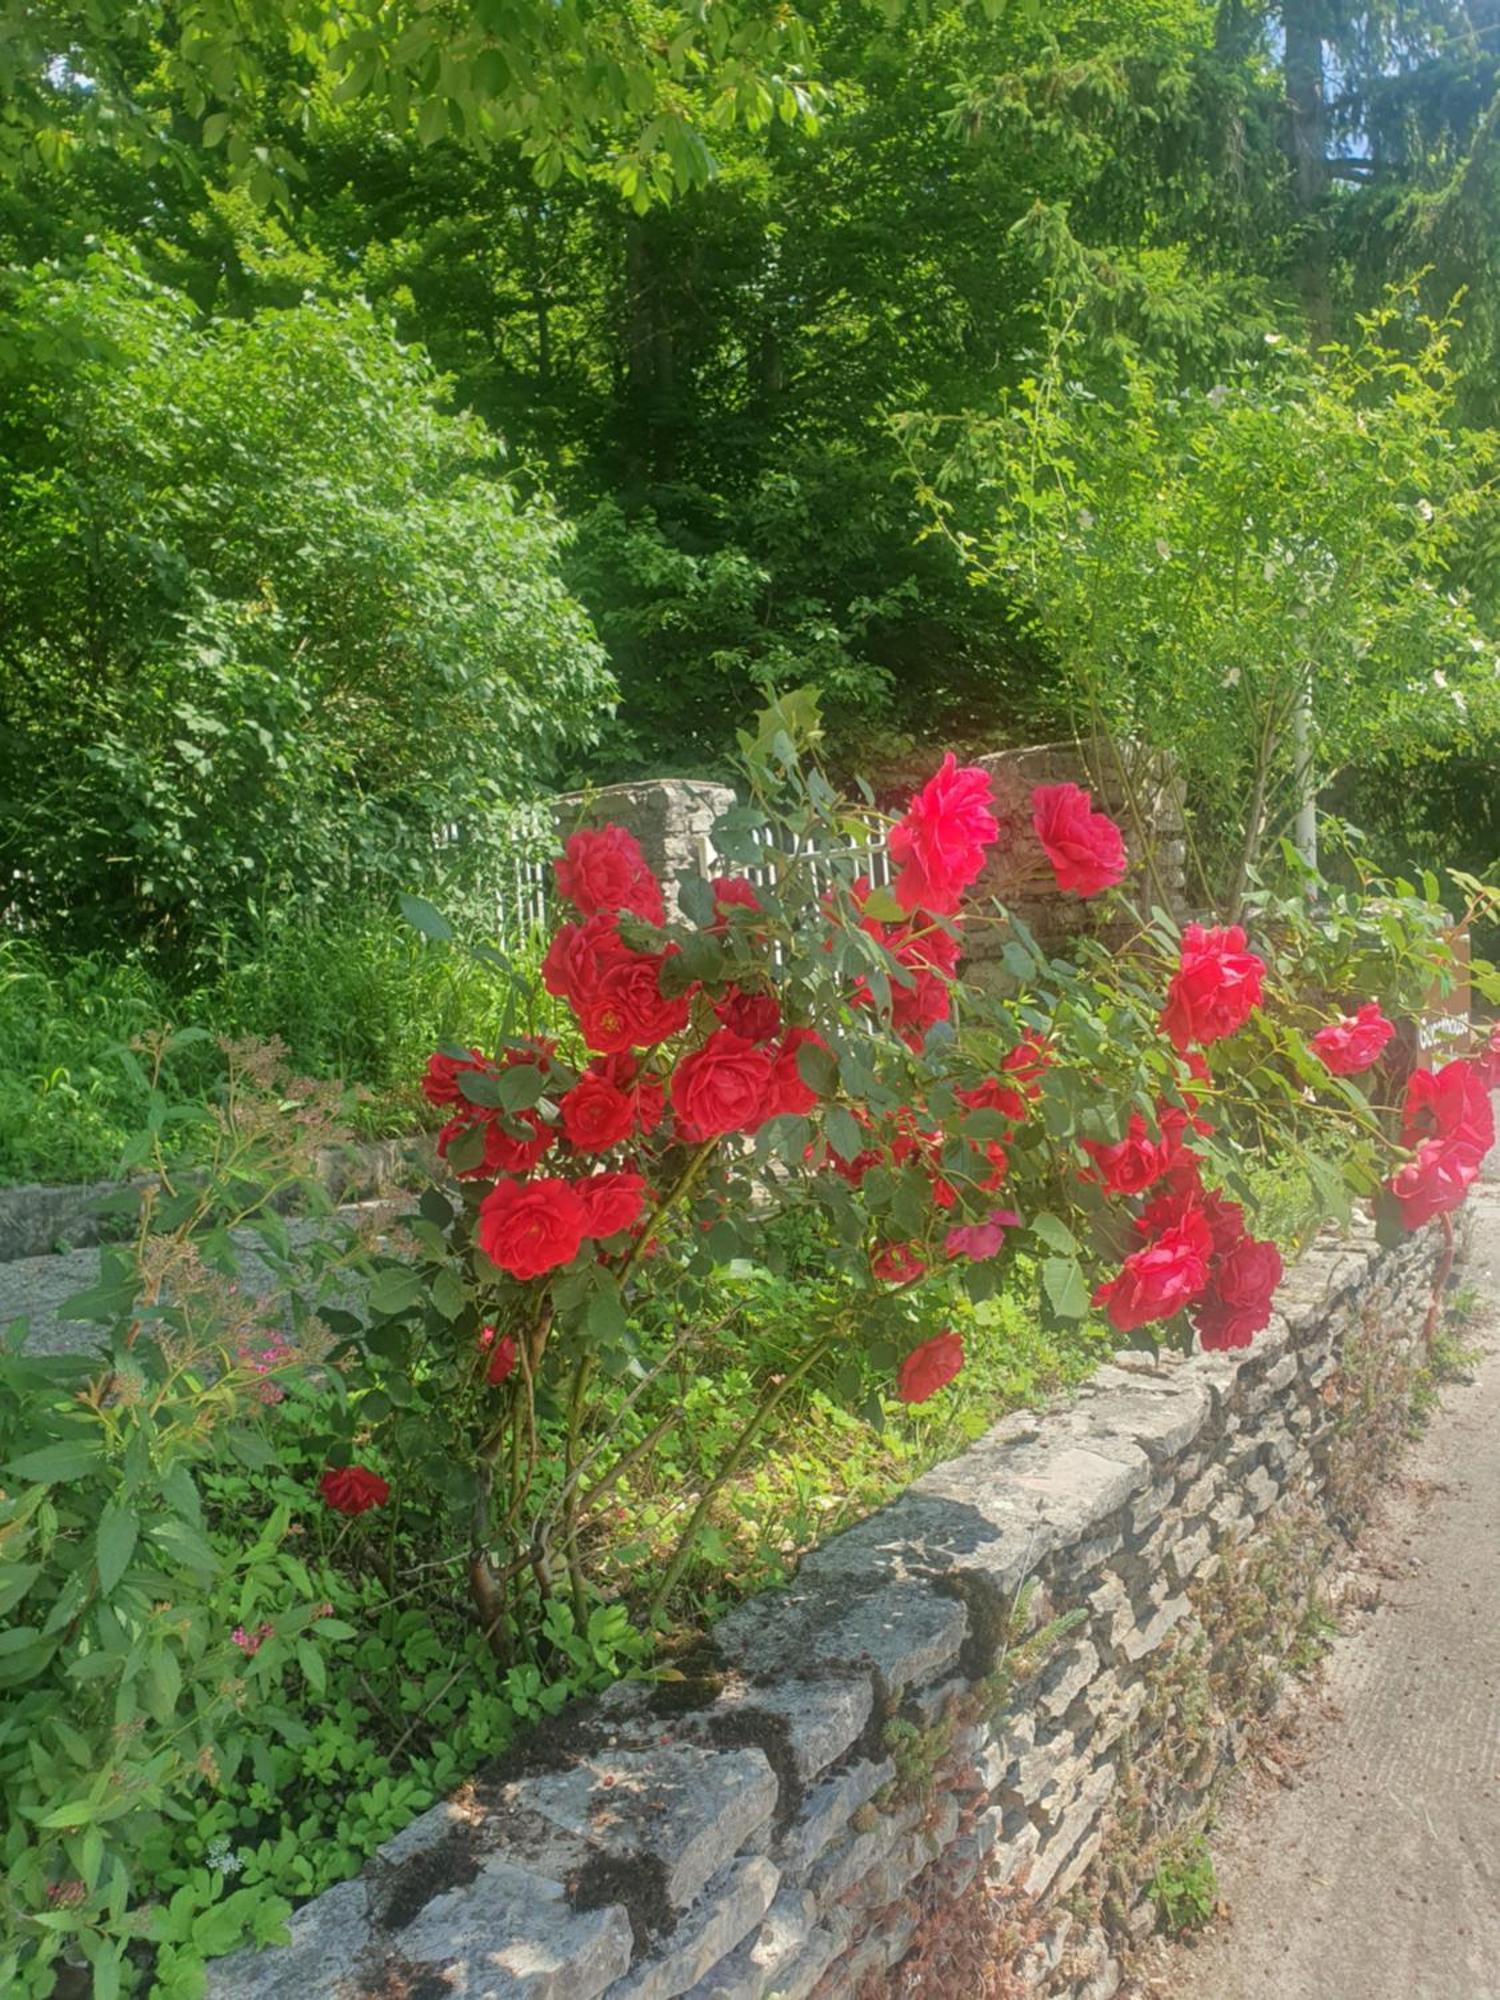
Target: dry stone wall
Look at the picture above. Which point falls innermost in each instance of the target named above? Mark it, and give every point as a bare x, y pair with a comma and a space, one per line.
1009, 1681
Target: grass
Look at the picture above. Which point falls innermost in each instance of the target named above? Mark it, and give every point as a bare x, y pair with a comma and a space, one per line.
365, 1002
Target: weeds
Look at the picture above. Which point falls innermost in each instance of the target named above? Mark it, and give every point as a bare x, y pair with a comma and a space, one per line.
1185, 1888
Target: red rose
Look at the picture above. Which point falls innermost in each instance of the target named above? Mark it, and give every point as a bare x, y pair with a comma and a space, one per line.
353, 1489
978, 1240
939, 845
645, 1093
1450, 1104
603, 871
1241, 1287
927, 958
611, 1202
627, 1009
896, 1263
929, 1367
998, 1162
1216, 986
1131, 1165
1160, 1280
790, 1092
502, 1355
1028, 1061
732, 892
1086, 848
1195, 1205
756, 1016
723, 1087
596, 1114
528, 1227
1354, 1041
1435, 1182
579, 956
504, 1151
993, 1095
440, 1079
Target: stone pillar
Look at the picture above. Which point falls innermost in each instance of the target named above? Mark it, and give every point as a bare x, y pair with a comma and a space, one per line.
1147, 802
672, 818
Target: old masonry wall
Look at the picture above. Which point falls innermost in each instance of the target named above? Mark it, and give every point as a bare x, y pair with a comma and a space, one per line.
1009, 1688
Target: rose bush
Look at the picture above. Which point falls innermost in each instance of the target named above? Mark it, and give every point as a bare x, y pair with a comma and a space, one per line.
791, 1044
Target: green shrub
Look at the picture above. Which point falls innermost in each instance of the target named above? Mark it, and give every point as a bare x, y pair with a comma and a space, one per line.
271, 620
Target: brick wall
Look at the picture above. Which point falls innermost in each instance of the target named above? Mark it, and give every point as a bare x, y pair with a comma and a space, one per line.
1032, 1664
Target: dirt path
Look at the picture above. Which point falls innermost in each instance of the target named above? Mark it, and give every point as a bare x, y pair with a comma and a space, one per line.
1375, 1875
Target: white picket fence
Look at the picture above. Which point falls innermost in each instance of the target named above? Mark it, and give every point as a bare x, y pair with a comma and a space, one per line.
519, 882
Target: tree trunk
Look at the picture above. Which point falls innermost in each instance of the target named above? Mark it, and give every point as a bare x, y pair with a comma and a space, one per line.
1307, 149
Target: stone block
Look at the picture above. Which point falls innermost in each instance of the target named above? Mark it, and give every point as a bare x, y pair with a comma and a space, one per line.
1080, 1830
906, 1632
787, 1956
860, 1601
1153, 1630
856, 1855
1187, 1554
1066, 1677
826, 1812
331, 1938
685, 1809
732, 1905
1162, 1414
815, 1721
510, 1935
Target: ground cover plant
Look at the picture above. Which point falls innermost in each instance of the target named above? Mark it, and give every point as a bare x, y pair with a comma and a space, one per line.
359, 1001
749, 1184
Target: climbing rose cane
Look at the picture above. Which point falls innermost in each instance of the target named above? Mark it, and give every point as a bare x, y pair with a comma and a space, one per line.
1085, 847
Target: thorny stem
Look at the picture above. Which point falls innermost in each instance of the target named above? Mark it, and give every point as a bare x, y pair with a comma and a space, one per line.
732, 1465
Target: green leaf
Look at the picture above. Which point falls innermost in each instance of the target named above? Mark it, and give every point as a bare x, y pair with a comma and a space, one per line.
521, 1086
843, 1133
186, 1545
161, 1684
252, 1451
421, 915
114, 1545
67, 1461
311, 1662
77, 1812
1054, 1233
449, 1294
466, 1150
606, 1314
980, 1125
818, 1068
15, 1580
394, 1290
1067, 1290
